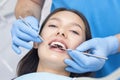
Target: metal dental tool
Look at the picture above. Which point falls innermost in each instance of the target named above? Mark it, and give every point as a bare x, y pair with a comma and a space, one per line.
85, 53
101, 57
27, 24
92, 55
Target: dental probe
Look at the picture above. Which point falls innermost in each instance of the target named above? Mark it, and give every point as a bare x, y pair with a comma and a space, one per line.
101, 57
85, 53
27, 24
92, 55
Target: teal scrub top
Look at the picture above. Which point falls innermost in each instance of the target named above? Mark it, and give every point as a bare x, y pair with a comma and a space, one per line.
104, 20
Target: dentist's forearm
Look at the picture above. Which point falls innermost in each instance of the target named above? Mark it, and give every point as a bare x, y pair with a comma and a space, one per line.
29, 8
118, 36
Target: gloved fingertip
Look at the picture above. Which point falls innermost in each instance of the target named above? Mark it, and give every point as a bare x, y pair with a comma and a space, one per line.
18, 51
37, 39
41, 38
66, 60
66, 69
69, 50
29, 47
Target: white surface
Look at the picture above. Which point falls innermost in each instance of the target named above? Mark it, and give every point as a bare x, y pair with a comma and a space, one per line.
8, 58
7, 6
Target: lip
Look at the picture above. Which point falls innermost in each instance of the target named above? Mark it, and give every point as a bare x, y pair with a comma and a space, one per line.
58, 40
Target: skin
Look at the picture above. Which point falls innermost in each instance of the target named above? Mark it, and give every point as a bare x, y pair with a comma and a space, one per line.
33, 8
73, 28
26, 8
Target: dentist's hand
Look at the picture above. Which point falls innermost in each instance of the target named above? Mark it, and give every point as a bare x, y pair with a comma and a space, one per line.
81, 63
22, 34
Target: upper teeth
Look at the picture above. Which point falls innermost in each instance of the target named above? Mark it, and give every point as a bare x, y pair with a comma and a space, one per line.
58, 43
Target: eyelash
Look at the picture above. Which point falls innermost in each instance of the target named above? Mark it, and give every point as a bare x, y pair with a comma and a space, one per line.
52, 25
75, 32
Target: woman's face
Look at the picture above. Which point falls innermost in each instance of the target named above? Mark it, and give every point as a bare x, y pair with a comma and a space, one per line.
63, 30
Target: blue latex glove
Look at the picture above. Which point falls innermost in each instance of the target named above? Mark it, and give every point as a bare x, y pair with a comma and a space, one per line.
22, 34
81, 63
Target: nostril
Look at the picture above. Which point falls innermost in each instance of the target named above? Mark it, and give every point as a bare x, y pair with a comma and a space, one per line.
61, 34
58, 33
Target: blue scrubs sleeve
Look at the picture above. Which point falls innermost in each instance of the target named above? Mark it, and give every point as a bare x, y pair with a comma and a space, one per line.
104, 20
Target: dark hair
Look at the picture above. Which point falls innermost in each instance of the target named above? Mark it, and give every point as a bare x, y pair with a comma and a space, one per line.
29, 62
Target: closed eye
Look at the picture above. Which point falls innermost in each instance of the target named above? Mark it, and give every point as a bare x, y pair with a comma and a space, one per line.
75, 32
52, 25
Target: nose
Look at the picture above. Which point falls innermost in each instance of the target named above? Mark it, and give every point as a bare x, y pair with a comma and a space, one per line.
61, 34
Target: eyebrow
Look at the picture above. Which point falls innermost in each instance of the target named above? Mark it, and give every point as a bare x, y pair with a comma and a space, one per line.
76, 24
55, 19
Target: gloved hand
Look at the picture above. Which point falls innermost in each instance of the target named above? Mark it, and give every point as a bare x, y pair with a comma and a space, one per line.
81, 63
22, 34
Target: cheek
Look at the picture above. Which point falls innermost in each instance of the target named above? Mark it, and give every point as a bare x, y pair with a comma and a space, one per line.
48, 56
46, 33
41, 51
76, 41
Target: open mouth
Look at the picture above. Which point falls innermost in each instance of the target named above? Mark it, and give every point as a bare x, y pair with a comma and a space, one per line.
58, 45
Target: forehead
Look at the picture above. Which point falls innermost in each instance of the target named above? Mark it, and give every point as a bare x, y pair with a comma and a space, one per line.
68, 14
68, 17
